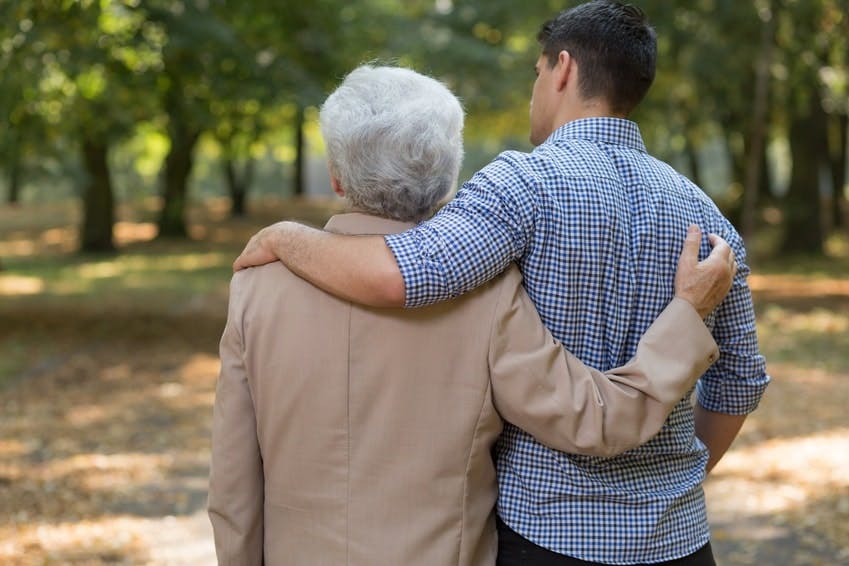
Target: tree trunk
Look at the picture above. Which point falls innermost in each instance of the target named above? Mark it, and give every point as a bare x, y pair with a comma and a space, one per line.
14, 196
838, 172
733, 208
238, 185
98, 202
15, 170
183, 136
693, 161
757, 132
298, 188
809, 150
178, 168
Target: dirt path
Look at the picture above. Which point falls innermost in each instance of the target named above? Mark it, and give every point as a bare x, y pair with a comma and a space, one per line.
104, 452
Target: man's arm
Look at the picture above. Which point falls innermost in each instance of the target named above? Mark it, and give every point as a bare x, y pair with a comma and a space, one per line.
733, 387
360, 269
471, 240
236, 482
543, 389
717, 431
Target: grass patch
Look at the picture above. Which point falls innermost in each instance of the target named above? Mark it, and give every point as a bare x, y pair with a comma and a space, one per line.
55, 301
166, 279
814, 339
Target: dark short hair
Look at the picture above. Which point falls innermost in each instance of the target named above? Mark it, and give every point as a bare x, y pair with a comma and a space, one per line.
614, 46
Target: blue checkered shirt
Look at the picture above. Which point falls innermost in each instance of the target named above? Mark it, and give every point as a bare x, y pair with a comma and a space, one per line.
595, 225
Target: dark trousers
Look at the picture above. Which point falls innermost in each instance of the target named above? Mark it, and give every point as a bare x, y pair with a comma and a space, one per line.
515, 550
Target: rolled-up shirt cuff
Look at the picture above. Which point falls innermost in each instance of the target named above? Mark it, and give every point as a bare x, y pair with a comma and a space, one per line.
425, 281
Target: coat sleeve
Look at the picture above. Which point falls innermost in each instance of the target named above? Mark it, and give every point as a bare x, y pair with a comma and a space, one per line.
236, 482
543, 389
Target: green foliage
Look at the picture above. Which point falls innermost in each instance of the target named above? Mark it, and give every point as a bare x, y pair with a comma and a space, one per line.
237, 70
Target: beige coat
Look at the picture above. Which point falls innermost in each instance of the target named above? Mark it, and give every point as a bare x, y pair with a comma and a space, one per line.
346, 435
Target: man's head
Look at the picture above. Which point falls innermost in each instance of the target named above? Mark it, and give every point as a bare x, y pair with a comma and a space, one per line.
607, 47
394, 141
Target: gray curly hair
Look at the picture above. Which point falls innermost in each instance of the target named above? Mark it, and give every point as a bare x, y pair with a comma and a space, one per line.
394, 141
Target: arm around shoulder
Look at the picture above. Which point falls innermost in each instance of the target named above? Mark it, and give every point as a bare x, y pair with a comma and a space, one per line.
360, 269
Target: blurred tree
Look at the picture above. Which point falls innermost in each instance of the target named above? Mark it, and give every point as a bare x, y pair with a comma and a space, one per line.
790, 82
812, 37
21, 122
758, 125
241, 111
228, 65
322, 40
196, 46
707, 78
15, 126
78, 82
291, 51
87, 73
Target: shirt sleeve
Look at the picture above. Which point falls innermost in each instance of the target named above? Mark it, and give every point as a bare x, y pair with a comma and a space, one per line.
236, 482
545, 390
473, 238
735, 384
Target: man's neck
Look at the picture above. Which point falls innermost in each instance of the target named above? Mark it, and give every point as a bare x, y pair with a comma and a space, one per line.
586, 109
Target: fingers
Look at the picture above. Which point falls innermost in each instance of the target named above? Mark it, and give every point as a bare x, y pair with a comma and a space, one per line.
240, 263
690, 251
243, 261
722, 252
721, 249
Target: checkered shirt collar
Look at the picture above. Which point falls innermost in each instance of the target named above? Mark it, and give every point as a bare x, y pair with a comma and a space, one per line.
615, 131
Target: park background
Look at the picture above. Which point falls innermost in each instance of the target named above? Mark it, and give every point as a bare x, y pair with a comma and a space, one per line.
143, 142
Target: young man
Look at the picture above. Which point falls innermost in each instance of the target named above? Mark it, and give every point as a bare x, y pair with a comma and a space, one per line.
594, 223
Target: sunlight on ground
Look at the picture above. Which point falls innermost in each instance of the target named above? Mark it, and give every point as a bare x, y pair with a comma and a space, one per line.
18, 248
198, 368
53, 228
798, 471
186, 273
100, 270
169, 541
785, 482
193, 390
123, 265
785, 285
58, 236
787, 493
813, 339
131, 232
20, 285
106, 471
107, 541
817, 320
78, 492
10, 448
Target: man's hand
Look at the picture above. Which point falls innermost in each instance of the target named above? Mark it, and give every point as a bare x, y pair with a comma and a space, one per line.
704, 284
360, 269
259, 249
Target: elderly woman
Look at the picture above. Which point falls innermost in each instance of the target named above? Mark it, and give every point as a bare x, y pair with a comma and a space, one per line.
351, 435
394, 142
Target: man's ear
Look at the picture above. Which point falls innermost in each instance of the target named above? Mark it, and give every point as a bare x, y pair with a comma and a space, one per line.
564, 70
337, 186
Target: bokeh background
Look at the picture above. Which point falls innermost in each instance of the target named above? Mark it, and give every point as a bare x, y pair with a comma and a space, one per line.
143, 142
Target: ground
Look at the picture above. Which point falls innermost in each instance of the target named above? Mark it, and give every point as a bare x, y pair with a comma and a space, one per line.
107, 378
